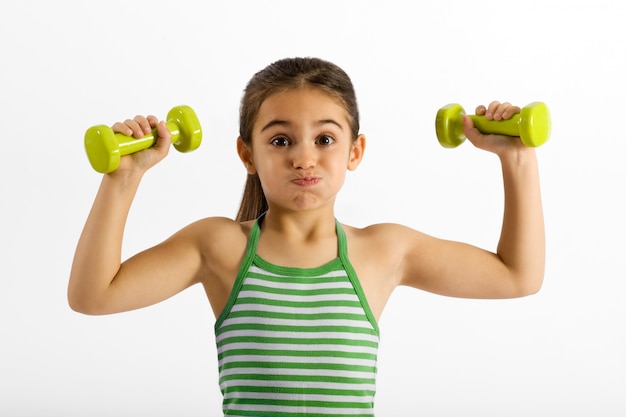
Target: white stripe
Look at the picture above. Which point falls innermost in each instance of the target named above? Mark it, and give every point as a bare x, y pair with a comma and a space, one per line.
302, 397
297, 359
298, 335
301, 384
296, 322
295, 286
297, 372
279, 346
297, 310
298, 298
330, 274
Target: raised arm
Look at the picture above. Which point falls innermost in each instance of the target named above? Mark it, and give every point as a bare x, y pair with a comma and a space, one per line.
99, 283
517, 267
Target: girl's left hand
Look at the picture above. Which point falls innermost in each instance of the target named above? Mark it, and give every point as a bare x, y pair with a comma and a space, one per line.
489, 142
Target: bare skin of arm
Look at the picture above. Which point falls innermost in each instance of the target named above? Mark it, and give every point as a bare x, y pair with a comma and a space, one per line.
98, 283
101, 284
456, 269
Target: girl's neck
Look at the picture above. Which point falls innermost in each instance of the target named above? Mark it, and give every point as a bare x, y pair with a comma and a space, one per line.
303, 239
300, 226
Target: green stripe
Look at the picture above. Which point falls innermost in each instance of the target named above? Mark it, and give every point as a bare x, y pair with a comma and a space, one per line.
285, 390
300, 378
296, 316
298, 353
324, 341
298, 365
298, 304
298, 403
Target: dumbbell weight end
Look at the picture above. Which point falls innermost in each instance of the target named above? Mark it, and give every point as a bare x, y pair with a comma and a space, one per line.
449, 125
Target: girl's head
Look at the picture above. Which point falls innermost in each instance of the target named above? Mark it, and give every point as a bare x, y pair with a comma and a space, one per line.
280, 76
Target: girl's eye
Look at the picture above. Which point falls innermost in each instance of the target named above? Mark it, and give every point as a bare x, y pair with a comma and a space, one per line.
325, 140
280, 141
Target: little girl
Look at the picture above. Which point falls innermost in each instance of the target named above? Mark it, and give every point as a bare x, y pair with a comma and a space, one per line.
297, 295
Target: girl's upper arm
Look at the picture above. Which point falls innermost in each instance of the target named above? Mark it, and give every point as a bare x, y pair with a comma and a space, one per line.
162, 271
453, 269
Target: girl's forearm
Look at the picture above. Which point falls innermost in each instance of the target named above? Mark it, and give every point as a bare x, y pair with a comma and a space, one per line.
522, 242
98, 253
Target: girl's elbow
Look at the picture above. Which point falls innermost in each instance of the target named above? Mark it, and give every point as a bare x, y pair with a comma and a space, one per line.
530, 286
80, 303
80, 306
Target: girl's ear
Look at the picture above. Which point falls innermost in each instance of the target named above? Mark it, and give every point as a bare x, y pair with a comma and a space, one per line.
356, 152
245, 154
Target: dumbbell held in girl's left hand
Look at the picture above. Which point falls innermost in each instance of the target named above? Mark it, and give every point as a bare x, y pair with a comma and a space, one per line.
105, 148
532, 125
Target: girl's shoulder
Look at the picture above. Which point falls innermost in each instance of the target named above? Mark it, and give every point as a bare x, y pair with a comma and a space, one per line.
388, 239
218, 229
215, 237
221, 242
382, 232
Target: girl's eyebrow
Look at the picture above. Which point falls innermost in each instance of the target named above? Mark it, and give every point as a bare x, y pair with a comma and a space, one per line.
278, 122
330, 121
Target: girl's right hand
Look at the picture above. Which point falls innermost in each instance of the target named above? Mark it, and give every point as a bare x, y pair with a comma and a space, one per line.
138, 127
489, 142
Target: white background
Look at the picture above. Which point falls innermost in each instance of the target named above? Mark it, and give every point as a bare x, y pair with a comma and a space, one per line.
68, 65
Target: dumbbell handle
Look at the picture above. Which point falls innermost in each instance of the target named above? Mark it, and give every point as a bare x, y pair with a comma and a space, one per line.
508, 127
130, 144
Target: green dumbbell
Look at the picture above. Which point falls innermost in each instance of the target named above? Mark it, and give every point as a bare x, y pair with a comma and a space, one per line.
105, 148
532, 125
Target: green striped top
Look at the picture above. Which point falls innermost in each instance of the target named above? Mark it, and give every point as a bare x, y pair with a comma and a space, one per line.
297, 341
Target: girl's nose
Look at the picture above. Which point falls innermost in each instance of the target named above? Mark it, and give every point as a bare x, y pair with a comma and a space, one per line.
304, 156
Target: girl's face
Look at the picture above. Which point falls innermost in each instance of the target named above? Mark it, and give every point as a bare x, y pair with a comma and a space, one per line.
301, 148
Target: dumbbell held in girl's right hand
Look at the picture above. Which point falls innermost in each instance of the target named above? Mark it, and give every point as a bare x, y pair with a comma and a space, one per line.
532, 125
105, 148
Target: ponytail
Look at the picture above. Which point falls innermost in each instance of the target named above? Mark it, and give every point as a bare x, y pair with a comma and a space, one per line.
253, 202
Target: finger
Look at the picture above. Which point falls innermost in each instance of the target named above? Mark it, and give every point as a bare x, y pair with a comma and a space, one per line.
144, 124
509, 111
480, 110
135, 127
122, 128
500, 109
129, 128
153, 121
491, 109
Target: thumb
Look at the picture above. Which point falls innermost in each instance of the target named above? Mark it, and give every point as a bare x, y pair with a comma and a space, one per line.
164, 137
470, 131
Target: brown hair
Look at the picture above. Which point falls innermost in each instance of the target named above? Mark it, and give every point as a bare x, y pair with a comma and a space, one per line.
283, 75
